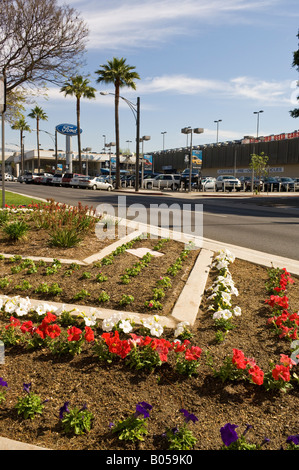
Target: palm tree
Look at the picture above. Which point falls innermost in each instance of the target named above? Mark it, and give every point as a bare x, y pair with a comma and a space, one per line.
38, 114
119, 73
22, 126
80, 88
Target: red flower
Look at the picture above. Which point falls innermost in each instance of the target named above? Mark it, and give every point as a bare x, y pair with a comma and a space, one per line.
52, 331
180, 347
27, 326
281, 372
13, 323
193, 354
89, 334
74, 333
257, 375
239, 359
49, 318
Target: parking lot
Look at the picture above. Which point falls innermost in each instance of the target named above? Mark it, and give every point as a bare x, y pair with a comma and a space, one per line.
164, 182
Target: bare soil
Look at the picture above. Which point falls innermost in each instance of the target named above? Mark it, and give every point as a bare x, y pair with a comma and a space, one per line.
111, 391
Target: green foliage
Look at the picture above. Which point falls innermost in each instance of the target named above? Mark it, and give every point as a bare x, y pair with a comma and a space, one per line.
77, 421
16, 230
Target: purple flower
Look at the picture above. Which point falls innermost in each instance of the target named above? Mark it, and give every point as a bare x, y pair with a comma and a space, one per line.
228, 434
3, 383
143, 408
111, 425
188, 416
294, 439
26, 387
64, 409
248, 426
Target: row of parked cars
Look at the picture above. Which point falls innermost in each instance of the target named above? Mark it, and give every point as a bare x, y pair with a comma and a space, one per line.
73, 180
229, 183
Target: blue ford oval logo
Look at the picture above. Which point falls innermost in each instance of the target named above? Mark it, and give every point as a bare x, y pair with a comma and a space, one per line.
67, 129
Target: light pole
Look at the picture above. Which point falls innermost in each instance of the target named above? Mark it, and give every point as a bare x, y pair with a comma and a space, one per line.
217, 122
258, 121
189, 130
135, 108
111, 144
145, 137
163, 134
104, 140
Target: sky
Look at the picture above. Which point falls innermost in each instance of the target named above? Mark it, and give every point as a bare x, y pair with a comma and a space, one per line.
199, 61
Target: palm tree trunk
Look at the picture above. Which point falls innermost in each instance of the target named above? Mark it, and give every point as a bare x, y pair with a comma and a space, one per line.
22, 152
79, 135
117, 176
38, 151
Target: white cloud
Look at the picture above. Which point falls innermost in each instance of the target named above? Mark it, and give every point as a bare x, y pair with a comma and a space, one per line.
249, 88
139, 24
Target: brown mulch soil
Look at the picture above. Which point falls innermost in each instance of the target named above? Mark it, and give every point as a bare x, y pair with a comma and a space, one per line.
111, 391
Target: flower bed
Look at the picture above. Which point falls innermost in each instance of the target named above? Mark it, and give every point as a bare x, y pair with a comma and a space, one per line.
139, 377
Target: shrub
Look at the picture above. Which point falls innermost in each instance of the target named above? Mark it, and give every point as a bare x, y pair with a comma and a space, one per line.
16, 230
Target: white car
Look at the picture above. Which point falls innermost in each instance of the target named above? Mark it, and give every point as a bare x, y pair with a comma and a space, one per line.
209, 184
96, 182
56, 179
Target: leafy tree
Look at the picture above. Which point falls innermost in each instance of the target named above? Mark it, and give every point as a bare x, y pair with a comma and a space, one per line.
295, 112
259, 164
22, 126
40, 42
118, 72
38, 114
80, 88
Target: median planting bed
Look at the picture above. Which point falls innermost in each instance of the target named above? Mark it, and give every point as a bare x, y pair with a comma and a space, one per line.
80, 382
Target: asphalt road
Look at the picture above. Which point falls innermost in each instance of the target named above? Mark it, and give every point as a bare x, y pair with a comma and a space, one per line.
267, 224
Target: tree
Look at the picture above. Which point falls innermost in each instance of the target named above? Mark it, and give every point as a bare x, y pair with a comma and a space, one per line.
259, 165
80, 88
295, 112
40, 42
119, 73
22, 126
38, 114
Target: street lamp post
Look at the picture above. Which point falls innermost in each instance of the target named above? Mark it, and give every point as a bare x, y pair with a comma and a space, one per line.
163, 134
111, 144
217, 122
145, 137
258, 121
135, 108
189, 130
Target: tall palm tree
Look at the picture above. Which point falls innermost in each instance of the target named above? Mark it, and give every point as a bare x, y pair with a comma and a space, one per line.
118, 72
38, 114
22, 126
80, 88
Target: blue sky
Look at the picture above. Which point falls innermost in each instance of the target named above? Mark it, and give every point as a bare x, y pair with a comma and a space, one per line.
199, 61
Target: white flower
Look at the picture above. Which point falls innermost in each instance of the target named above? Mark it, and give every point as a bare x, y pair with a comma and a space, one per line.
108, 324
226, 298
21, 311
217, 315
237, 311
226, 314
126, 326
10, 306
157, 330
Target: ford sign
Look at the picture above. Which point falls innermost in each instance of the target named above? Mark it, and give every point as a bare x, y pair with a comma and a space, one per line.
67, 129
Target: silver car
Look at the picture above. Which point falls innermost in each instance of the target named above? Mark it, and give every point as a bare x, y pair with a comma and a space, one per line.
169, 181
89, 182
227, 183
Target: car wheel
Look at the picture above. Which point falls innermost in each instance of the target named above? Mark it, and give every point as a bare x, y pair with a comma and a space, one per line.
149, 186
94, 187
109, 188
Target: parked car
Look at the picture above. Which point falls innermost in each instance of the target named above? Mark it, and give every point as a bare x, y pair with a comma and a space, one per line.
257, 184
286, 183
56, 179
167, 181
30, 177
208, 184
228, 183
271, 184
296, 182
90, 182
195, 177
42, 178
67, 177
